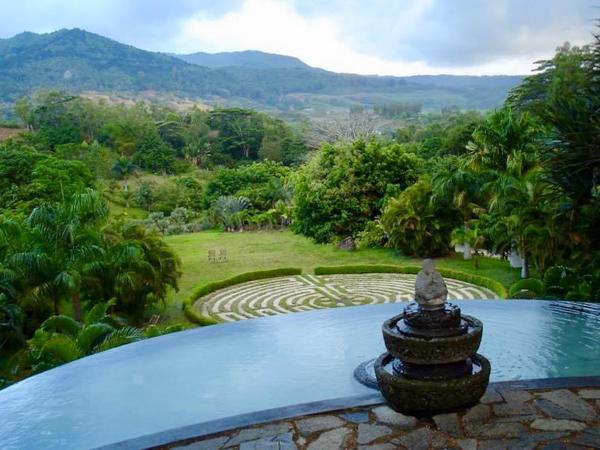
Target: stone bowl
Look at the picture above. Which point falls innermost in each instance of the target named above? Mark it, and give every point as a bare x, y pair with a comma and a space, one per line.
426, 398
435, 350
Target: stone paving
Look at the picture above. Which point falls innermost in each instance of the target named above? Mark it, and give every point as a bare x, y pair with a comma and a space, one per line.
306, 292
505, 419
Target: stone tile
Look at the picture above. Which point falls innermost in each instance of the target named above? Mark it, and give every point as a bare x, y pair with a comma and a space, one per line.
554, 411
516, 396
448, 423
208, 444
439, 440
477, 414
252, 434
388, 416
589, 393
589, 438
467, 444
356, 417
532, 440
419, 439
278, 442
368, 433
384, 446
333, 439
497, 430
572, 403
491, 396
525, 418
513, 408
560, 446
557, 425
314, 424
496, 444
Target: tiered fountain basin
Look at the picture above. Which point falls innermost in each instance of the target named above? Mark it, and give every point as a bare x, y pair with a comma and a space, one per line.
432, 367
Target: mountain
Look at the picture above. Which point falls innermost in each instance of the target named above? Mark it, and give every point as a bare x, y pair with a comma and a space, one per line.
250, 58
81, 62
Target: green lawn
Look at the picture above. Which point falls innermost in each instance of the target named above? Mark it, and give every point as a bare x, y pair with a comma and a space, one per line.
251, 251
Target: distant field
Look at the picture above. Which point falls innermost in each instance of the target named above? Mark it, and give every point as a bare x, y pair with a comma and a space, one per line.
7, 133
250, 251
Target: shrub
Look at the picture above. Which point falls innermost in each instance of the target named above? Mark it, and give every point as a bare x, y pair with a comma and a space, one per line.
526, 287
242, 278
180, 221
493, 285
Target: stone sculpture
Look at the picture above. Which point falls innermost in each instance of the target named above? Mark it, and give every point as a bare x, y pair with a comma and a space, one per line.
430, 289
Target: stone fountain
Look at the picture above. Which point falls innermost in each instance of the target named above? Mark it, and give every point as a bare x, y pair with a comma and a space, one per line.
431, 364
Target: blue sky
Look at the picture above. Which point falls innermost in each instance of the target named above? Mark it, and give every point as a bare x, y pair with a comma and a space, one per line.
395, 37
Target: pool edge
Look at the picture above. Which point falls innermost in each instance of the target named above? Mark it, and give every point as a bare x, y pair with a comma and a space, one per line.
303, 409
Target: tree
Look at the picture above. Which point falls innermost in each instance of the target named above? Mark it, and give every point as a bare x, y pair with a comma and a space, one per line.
122, 169
154, 154
471, 237
418, 225
29, 178
344, 186
137, 269
565, 96
61, 339
240, 132
523, 218
507, 141
64, 242
358, 126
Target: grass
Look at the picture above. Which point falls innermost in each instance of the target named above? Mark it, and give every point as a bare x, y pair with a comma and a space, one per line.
131, 212
253, 251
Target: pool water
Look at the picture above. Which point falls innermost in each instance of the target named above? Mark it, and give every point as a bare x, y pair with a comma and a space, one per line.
215, 372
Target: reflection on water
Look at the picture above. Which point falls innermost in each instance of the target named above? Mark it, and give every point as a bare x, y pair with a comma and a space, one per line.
204, 374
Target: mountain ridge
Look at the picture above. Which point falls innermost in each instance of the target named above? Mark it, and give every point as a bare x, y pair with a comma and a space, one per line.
78, 61
254, 59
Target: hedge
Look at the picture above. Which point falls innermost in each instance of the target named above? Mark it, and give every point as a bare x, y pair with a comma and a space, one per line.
198, 319
493, 285
206, 289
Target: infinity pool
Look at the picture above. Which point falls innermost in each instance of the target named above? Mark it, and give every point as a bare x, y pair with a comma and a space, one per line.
216, 372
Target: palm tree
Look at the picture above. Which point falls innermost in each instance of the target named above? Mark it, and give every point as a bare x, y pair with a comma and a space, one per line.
471, 236
229, 211
61, 339
137, 269
11, 324
506, 142
524, 219
416, 223
122, 169
63, 241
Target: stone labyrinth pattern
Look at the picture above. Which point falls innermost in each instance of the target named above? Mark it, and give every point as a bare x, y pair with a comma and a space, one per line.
283, 295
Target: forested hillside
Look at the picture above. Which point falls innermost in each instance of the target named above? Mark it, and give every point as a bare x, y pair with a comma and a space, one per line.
248, 58
77, 61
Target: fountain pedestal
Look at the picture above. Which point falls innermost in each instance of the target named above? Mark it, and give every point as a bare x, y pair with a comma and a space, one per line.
431, 364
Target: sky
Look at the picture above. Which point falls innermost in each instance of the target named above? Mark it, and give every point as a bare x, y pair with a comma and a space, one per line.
385, 37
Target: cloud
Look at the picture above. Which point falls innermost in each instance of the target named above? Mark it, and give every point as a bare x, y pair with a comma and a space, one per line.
463, 32
384, 37
276, 27
393, 37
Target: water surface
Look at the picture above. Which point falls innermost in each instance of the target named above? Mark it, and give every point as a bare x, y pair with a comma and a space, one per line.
220, 371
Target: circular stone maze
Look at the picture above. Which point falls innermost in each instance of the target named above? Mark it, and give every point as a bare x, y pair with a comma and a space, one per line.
283, 295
